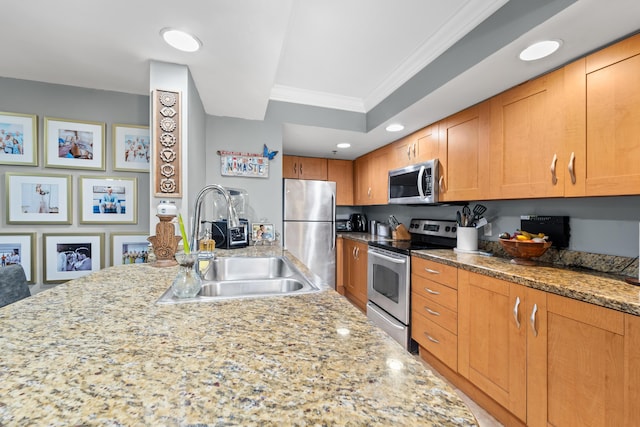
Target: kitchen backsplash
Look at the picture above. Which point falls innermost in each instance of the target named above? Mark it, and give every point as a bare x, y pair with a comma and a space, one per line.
613, 264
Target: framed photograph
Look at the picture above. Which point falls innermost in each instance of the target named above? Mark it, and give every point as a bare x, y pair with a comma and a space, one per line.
131, 148
68, 256
38, 198
19, 248
18, 139
108, 200
262, 232
129, 248
73, 144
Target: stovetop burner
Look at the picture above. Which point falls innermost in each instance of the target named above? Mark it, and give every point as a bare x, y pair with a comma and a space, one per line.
425, 234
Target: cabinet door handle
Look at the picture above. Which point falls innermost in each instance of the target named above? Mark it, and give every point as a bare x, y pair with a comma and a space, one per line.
430, 338
533, 320
300, 169
408, 152
414, 150
295, 169
353, 252
441, 184
554, 178
433, 313
369, 192
515, 312
432, 292
428, 270
357, 252
572, 163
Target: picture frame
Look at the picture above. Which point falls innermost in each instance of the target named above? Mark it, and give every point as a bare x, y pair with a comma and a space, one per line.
18, 139
129, 248
38, 198
74, 144
19, 248
131, 147
68, 256
108, 200
262, 232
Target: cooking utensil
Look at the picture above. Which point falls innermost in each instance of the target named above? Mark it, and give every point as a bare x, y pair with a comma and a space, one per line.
478, 210
393, 222
466, 216
459, 218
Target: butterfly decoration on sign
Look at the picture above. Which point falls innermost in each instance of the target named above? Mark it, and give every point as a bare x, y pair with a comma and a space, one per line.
268, 154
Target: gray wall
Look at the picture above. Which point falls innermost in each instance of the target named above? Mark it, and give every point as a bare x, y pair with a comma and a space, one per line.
602, 225
67, 102
248, 136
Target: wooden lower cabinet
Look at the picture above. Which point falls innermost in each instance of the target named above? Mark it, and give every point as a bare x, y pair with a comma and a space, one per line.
546, 360
355, 263
340, 268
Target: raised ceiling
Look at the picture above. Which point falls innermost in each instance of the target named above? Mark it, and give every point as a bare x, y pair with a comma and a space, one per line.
348, 55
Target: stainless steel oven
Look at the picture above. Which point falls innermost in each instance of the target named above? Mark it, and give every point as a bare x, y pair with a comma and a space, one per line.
389, 276
389, 293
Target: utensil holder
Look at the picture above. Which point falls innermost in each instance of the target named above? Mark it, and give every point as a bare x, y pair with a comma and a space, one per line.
467, 238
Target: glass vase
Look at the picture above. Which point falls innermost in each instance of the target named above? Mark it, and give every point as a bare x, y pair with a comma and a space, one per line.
187, 283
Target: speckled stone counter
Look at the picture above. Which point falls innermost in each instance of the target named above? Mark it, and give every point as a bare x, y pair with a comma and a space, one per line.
99, 351
601, 289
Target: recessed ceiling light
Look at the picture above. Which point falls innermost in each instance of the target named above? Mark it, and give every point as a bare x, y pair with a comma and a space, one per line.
180, 40
343, 145
394, 127
540, 50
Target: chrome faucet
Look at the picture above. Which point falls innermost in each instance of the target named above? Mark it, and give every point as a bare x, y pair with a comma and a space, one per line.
232, 216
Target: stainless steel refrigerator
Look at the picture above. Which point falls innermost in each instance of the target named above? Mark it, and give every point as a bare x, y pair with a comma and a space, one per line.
309, 231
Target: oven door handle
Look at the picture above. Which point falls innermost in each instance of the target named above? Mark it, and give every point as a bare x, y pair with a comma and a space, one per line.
388, 258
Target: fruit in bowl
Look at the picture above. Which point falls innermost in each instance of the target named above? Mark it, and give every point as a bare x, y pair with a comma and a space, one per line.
523, 246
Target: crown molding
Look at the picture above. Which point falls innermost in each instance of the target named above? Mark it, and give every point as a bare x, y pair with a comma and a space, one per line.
318, 99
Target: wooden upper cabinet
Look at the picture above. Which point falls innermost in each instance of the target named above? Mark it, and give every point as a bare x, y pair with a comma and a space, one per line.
527, 140
304, 168
341, 171
464, 154
613, 120
371, 177
415, 148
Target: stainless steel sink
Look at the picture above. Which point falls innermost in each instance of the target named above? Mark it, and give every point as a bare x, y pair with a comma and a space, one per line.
247, 277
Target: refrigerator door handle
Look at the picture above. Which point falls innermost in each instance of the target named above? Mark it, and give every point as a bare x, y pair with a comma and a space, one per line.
333, 215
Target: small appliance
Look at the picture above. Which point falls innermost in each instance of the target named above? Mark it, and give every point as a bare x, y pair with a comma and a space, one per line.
358, 222
229, 237
343, 225
415, 184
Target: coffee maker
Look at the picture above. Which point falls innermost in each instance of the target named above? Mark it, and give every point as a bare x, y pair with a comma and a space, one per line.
358, 222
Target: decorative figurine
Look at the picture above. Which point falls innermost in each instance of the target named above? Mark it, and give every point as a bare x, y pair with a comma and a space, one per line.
165, 242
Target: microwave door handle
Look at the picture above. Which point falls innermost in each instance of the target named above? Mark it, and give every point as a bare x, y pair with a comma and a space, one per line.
420, 176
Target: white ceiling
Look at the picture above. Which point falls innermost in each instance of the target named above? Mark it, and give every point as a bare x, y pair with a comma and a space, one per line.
341, 54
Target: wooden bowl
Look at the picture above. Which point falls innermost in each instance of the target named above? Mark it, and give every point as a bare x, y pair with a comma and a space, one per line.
524, 251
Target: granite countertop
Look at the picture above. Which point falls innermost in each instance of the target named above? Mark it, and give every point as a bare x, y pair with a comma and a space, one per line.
98, 350
606, 290
602, 289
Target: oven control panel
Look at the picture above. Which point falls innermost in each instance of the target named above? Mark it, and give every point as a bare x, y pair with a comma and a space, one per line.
434, 227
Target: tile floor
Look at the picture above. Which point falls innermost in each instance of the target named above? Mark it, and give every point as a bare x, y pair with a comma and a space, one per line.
483, 417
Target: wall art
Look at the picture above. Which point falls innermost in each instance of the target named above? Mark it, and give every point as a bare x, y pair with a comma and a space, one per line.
18, 139
252, 165
68, 256
73, 144
38, 198
131, 148
167, 174
19, 248
129, 248
106, 200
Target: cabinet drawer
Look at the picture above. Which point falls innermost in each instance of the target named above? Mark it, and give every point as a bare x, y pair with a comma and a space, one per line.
435, 271
441, 294
435, 339
435, 312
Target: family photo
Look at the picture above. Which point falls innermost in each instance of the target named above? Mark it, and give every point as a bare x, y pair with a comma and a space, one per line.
74, 144
11, 138
135, 253
40, 198
109, 199
136, 149
73, 256
9, 255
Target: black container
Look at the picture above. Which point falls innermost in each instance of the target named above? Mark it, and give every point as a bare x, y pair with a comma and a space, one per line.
358, 222
556, 227
229, 237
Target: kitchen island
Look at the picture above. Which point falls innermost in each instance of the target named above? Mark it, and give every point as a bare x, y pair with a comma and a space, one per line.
99, 351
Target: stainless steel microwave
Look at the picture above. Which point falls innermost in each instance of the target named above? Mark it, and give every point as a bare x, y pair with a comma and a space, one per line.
415, 184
